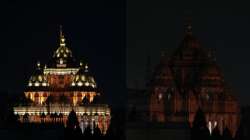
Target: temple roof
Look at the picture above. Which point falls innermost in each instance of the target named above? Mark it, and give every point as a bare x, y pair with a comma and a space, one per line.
62, 57
211, 75
38, 79
190, 49
83, 79
162, 75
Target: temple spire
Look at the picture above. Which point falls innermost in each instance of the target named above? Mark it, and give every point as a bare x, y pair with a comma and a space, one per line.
62, 39
188, 26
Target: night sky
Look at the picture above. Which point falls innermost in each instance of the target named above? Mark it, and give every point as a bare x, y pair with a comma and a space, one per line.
156, 26
99, 32
94, 31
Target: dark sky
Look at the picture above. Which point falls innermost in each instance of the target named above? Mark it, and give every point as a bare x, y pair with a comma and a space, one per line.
156, 26
94, 31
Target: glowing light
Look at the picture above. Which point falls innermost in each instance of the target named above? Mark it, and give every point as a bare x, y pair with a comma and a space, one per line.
38, 64
36, 84
61, 61
30, 84
160, 96
79, 84
87, 84
40, 78
73, 84
210, 127
44, 84
83, 77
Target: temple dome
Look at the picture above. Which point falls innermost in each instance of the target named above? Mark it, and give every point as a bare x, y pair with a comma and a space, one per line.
211, 75
62, 57
83, 79
190, 49
38, 79
162, 75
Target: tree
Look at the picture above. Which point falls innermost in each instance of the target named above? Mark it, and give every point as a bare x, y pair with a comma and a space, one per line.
43, 116
227, 134
72, 121
216, 134
199, 129
87, 132
85, 100
63, 100
97, 133
73, 130
49, 101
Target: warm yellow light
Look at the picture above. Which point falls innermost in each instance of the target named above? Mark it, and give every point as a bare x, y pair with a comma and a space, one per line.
73, 84
83, 77
44, 84
87, 84
79, 83
30, 84
40, 78
36, 84
61, 61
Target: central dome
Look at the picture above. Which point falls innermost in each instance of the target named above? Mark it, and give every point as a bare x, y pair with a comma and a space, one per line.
62, 57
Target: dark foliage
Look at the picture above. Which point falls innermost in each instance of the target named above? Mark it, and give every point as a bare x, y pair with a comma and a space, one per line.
199, 130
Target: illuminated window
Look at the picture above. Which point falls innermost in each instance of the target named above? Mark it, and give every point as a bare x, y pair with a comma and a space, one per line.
36, 84
30, 84
160, 96
40, 78
61, 61
77, 77
87, 84
44, 84
79, 83
83, 77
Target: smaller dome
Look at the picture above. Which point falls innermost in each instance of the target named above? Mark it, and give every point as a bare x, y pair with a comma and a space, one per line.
38, 79
162, 75
211, 75
83, 79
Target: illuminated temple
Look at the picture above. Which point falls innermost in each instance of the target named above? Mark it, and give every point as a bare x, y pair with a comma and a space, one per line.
190, 79
61, 86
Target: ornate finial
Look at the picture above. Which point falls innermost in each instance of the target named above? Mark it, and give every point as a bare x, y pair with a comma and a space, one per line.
81, 64
38, 64
45, 66
188, 25
86, 67
62, 39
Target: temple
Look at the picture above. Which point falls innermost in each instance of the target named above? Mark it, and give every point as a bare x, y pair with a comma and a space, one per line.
61, 86
188, 80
